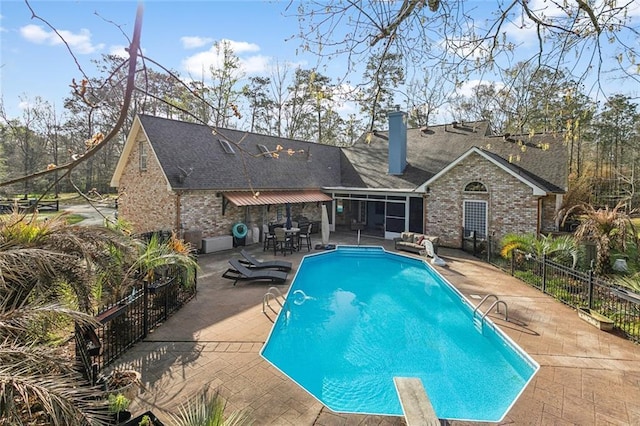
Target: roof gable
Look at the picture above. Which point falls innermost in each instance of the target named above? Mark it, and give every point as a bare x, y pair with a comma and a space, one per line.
193, 158
542, 158
497, 161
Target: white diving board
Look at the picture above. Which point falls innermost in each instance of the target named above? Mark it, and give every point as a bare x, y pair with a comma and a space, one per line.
417, 408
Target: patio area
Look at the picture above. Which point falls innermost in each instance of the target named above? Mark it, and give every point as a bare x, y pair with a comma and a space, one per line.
587, 376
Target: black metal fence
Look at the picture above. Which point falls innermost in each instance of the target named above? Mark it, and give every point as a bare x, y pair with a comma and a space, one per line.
129, 320
578, 289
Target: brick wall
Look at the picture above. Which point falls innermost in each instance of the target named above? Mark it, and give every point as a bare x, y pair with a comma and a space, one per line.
143, 197
146, 203
549, 223
511, 206
202, 210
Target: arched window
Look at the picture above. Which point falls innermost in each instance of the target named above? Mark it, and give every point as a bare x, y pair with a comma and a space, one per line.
475, 186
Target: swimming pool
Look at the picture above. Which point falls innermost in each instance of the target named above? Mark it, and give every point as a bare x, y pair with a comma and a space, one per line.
357, 317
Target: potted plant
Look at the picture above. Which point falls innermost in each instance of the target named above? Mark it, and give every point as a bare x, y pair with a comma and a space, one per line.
118, 404
145, 419
126, 382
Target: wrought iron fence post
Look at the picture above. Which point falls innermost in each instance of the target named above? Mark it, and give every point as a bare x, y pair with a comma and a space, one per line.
489, 248
513, 262
165, 295
544, 272
590, 296
145, 302
473, 235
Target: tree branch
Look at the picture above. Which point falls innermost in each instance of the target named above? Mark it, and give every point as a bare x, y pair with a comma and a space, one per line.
133, 50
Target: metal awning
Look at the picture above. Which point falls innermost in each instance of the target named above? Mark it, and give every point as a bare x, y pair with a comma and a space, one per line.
247, 198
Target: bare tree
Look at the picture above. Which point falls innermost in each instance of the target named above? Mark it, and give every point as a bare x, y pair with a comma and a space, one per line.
462, 38
424, 97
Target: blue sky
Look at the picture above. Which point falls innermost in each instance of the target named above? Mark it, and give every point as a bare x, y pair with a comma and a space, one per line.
178, 34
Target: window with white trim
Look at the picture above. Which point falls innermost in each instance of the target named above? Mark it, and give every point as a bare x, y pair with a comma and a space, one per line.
475, 218
475, 186
142, 148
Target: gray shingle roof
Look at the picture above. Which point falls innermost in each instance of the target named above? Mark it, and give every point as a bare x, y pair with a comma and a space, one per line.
193, 148
540, 157
196, 150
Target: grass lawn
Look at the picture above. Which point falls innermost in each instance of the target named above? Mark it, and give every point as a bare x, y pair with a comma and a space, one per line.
71, 218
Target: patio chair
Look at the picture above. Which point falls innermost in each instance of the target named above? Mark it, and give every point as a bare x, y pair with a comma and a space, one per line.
252, 263
267, 237
282, 242
239, 272
305, 234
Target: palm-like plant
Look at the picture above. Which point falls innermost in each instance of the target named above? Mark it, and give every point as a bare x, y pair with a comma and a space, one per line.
156, 253
41, 262
632, 282
39, 385
50, 271
205, 409
563, 248
608, 228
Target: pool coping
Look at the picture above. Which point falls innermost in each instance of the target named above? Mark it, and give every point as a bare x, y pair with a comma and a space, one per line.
450, 287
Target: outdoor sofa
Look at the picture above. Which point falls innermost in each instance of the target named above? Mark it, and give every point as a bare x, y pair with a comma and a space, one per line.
412, 242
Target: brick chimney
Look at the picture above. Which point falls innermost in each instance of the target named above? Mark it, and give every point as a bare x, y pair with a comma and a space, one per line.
397, 141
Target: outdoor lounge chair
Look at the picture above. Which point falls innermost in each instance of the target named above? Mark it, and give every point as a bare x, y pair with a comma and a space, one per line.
251, 262
239, 272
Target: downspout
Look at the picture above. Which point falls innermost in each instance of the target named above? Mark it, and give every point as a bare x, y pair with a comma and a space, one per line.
539, 218
178, 213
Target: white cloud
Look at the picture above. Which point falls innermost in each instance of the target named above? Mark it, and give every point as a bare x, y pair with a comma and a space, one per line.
201, 62
79, 42
189, 42
119, 50
466, 47
466, 88
24, 105
522, 33
34, 33
523, 30
240, 47
342, 100
257, 64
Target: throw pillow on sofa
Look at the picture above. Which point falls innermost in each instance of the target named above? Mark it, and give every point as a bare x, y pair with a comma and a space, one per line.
407, 236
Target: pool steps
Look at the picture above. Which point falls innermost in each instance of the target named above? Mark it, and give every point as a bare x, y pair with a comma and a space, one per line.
478, 321
415, 402
275, 294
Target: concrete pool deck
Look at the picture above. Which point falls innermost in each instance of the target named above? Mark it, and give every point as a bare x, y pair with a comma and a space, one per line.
587, 376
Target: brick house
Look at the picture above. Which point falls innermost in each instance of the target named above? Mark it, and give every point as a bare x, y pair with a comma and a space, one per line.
174, 175
448, 180
453, 180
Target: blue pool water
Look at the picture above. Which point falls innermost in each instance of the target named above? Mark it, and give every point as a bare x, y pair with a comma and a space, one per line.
357, 317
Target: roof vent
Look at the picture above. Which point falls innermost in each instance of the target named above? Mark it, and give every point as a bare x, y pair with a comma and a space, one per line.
184, 173
265, 151
226, 146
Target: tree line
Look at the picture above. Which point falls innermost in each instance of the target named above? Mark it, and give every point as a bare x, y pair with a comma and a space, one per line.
602, 139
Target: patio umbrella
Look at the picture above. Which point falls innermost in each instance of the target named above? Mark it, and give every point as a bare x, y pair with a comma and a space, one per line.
288, 210
325, 225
